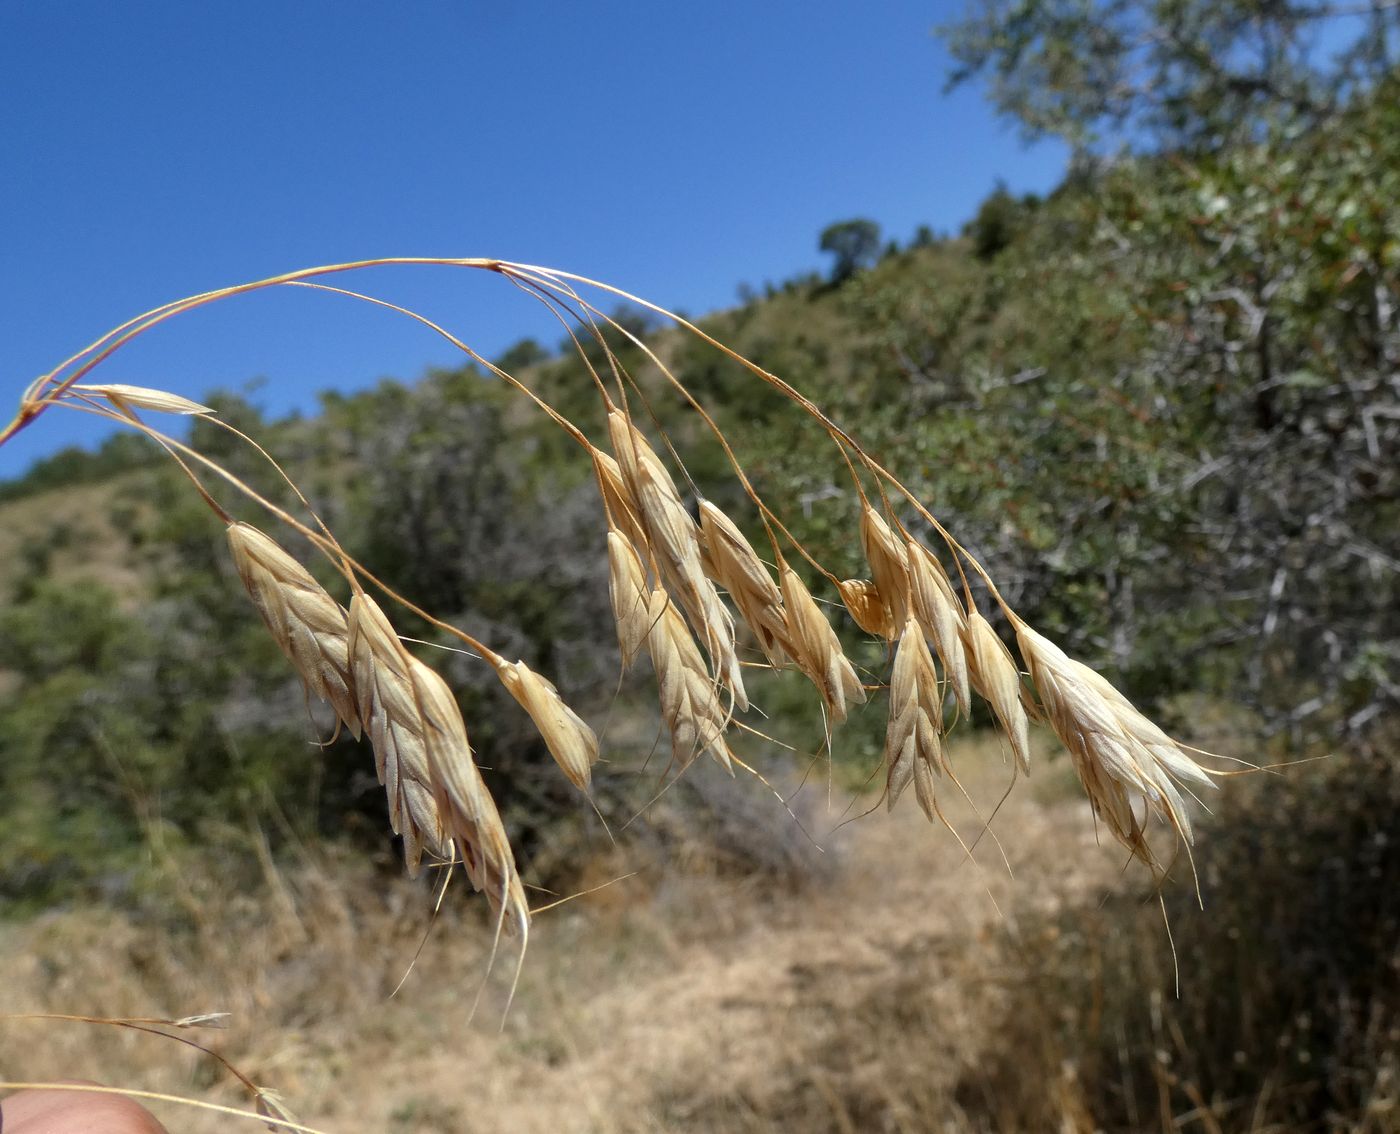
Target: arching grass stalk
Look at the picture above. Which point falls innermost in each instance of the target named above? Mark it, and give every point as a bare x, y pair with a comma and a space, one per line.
942, 644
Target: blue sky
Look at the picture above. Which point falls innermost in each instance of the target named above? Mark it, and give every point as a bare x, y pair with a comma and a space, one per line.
155, 150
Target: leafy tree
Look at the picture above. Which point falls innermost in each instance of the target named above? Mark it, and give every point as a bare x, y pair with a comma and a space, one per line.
999, 218
854, 244
1202, 73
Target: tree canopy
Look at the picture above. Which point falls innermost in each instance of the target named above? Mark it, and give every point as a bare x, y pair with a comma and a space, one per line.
1198, 73
854, 244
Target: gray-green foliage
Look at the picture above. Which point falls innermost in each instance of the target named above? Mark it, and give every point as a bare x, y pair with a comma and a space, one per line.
1203, 73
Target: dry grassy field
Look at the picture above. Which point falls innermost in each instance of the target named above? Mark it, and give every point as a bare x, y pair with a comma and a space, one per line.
864, 996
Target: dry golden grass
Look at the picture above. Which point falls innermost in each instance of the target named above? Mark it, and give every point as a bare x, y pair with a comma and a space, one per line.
674, 1000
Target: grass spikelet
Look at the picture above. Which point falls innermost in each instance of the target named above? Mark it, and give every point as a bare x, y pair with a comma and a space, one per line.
631, 597
675, 539
994, 675
926, 790
885, 554
570, 741
1117, 751
690, 700
129, 398
816, 649
306, 623
913, 749
469, 814
389, 709
622, 514
938, 610
862, 599
737, 568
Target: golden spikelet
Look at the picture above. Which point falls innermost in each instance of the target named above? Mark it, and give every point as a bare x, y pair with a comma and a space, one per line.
994, 675
734, 564
617, 500
913, 749
938, 610
468, 812
675, 540
389, 709
690, 700
570, 741
128, 398
306, 623
631, 597
1117, 751
885, 554
816, 649
862, 598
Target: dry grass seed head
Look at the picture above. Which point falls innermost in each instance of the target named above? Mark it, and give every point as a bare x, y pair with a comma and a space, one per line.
816, 649
938, 609
306, 623
631, 597
389, 709
735, 565
885, 554
128, 398
1117, 751
622, 512
926, 789
913, 749
570, 741
675, 540
994, 675
468, 812
862, 599
690, 700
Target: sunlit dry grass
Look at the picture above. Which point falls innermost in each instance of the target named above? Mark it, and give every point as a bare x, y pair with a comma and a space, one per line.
680, 998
